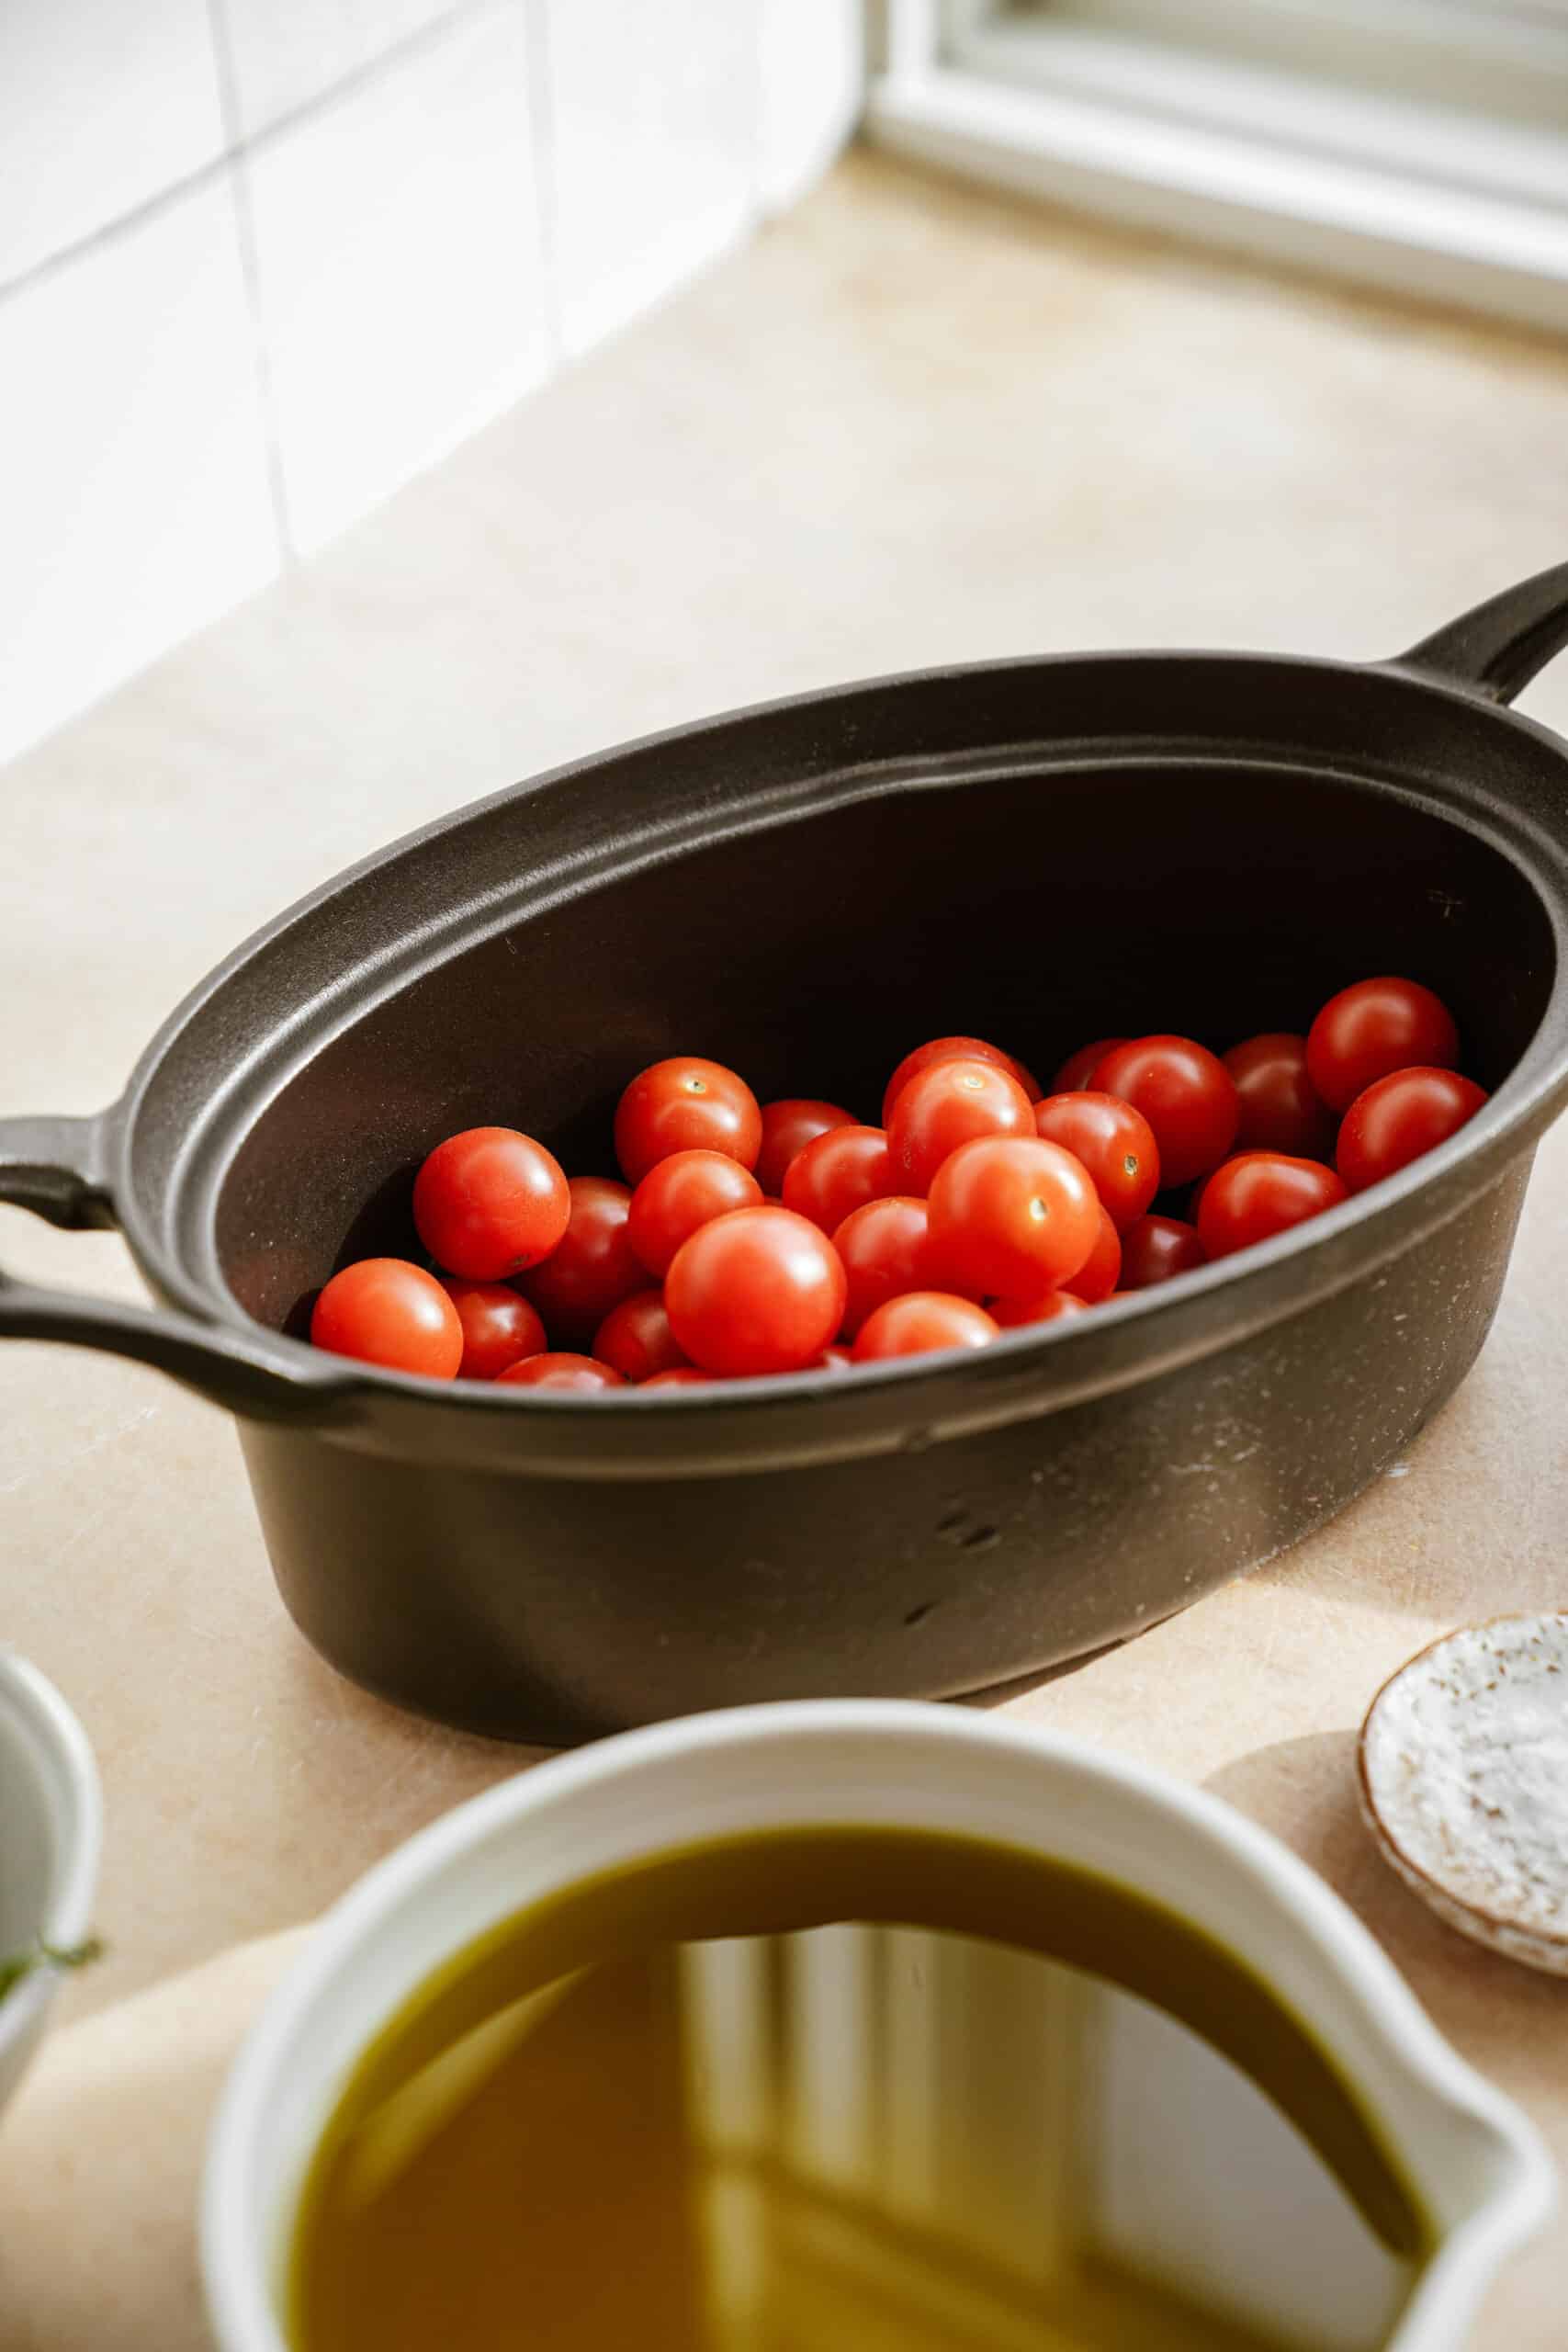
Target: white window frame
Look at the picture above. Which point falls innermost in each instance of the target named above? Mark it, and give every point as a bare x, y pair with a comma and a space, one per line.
1293, 157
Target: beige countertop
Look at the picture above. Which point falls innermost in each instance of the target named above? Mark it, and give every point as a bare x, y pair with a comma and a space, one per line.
910, 425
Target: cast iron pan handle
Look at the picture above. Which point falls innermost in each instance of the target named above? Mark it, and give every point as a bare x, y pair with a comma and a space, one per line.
1497, 649
56, 1166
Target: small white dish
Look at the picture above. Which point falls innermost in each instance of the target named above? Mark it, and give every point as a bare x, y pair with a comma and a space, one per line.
50, 1833
1472, 2158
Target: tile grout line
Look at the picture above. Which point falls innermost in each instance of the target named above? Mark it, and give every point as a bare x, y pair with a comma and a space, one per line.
238, 144
243, 211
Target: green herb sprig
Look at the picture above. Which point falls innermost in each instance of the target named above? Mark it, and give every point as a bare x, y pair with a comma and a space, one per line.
42, 1954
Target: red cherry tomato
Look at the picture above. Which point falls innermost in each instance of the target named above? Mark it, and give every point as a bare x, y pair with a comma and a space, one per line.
568, 1376
760, 1290
920, 1321
951, 1049
837, 1173
593, 1265
679, 1194
1101, 1270
1187, 1095
1012, 1314
1371, 1030
1011, 1216
949, 1104
1157, 1248
636, 1338
385, 1311
1115, 1144
787, 1128
884, 1246
499, 1327
1259, 1193
1401, 1117
684, 1375
488, 1202
1280, 1108
685, 1105
1075, 1072
833, 1360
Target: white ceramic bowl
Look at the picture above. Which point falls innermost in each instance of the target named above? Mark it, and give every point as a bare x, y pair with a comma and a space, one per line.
51, 1830
1473, 2160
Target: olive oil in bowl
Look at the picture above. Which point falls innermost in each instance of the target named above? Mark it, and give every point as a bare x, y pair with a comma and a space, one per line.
875, 2089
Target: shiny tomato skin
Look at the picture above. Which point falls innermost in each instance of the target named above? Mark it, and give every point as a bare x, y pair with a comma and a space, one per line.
684, 1375
387, 1311
1075, 1072
1114, 1142
1400, 1118
593, 1265
1011, 1216
787, 1127
1258, 1193
1373, 1028
1101, 1270
678, 1194
884, 1247
488, 1202
920, 1321
1155, 1249
1187, 1095
833, 1360
499, 1327
949, 1104
685, 1103
759, 1291
1053, 1306
565, 1375
838, 1171
950, 1050
635, 1338
1280, 1108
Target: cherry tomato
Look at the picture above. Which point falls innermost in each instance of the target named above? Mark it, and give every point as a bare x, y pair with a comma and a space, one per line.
1399, 1118
1115, 1144
1012, 1314
921, 1320
385, 1311
568, 1376
488, 1202
1280, 1108
833, 1360
951, 1049
1187, 1095
685, 1105
1371, 1030
1262, 1192
787, 1128
684, 1375
948, 1103
884, 1246
499, 1327
1101, 1270
636, 1338
1079, 1069
1011, 1216
593, 1265
679, 1194
837, 1173
760, 1290
1157, 1248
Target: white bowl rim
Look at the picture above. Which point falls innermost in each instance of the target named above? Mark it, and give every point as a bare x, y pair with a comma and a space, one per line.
68, 1918
235, 2264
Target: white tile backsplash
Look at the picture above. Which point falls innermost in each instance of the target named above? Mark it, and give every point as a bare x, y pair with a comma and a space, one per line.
654, 113
285, 54
399, 273
811, 77
104, 104
133, 481
263, 260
